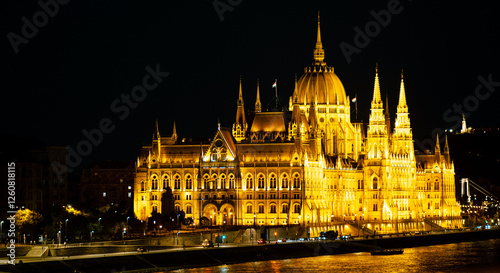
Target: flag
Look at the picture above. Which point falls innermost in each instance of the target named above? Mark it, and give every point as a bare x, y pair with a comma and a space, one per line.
275, 84
354, 100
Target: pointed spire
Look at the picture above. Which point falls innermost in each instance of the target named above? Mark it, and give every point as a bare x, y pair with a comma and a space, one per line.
295, 92
446, 150
240, 95
157, 130
174, 132
376, 89
319, 53
437, 150
258, 105
402, 96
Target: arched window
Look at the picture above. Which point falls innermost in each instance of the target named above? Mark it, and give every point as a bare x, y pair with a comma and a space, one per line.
143, 188
375, 183
296, 208
375, 207
273, 208
188, 209
213, 185
249, 208
177, 207
261, 208
249, 182
222, 181
154, 182
154, 208
284, 208
272, 181
206, 182
231, 181
284, 181
177, 182
166, 181
296, 181
436, 184
189, 182
262, 181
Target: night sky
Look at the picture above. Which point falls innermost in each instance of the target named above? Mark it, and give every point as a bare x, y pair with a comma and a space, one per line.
90, 53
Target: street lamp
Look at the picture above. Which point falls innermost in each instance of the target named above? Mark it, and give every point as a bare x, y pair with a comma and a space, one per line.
1, 227
99, 220
92, 232
128, 217
66, 227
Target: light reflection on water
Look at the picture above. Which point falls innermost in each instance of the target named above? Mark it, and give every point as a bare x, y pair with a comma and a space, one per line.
481, 256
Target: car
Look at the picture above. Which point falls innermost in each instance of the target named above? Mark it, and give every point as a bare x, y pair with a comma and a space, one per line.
261, 241
281, 240
142, 249
207, 243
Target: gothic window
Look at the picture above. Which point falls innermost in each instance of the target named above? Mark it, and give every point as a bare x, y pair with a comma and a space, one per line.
166, 181
429, 205
375, 183
177, 207
154, 182
154, 208
296, 181
272, 181
188, 209
284, 181
436, 184
189, 182
261, 208
375, 207
223, 181
206, 182
231, 181
249, 182
273, 208
177, 182
284, 208
297, 208
249, 208
213, 185
142, 186
261, 181
360, 184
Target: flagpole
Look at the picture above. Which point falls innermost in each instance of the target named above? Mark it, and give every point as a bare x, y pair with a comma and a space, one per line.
356, 104
276, 91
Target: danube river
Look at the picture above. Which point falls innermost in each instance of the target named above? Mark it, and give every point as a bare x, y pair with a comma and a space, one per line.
482, 256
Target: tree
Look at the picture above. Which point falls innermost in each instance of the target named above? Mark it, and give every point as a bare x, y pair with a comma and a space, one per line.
27, 221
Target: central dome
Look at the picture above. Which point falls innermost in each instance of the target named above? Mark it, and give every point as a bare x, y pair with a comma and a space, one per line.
319, 83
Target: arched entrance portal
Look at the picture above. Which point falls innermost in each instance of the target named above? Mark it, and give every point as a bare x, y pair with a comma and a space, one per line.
227, 211
210, 212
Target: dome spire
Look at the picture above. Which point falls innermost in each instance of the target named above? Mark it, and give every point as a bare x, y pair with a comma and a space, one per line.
319, 53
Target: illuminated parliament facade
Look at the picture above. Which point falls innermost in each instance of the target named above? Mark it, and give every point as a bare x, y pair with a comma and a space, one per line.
309, 166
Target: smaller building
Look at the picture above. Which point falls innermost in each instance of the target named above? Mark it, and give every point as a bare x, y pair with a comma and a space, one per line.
108, 182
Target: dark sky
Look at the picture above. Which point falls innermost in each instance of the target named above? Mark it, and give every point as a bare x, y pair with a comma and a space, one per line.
84, 57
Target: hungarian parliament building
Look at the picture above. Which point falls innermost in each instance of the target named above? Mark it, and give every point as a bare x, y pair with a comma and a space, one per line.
310, 167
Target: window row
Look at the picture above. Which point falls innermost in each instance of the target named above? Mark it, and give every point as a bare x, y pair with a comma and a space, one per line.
285, 182
272, 208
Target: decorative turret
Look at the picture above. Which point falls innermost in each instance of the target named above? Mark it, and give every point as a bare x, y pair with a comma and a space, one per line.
387, 115
258, 105
174, 133
240, 126
402, 137
377, 130
446, 150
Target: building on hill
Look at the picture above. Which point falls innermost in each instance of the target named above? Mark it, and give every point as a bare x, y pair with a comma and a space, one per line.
309, 166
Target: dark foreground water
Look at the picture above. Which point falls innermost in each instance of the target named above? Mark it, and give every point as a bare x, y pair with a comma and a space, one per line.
482, 256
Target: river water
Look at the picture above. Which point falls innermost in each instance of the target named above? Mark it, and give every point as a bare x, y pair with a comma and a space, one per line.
482, 256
